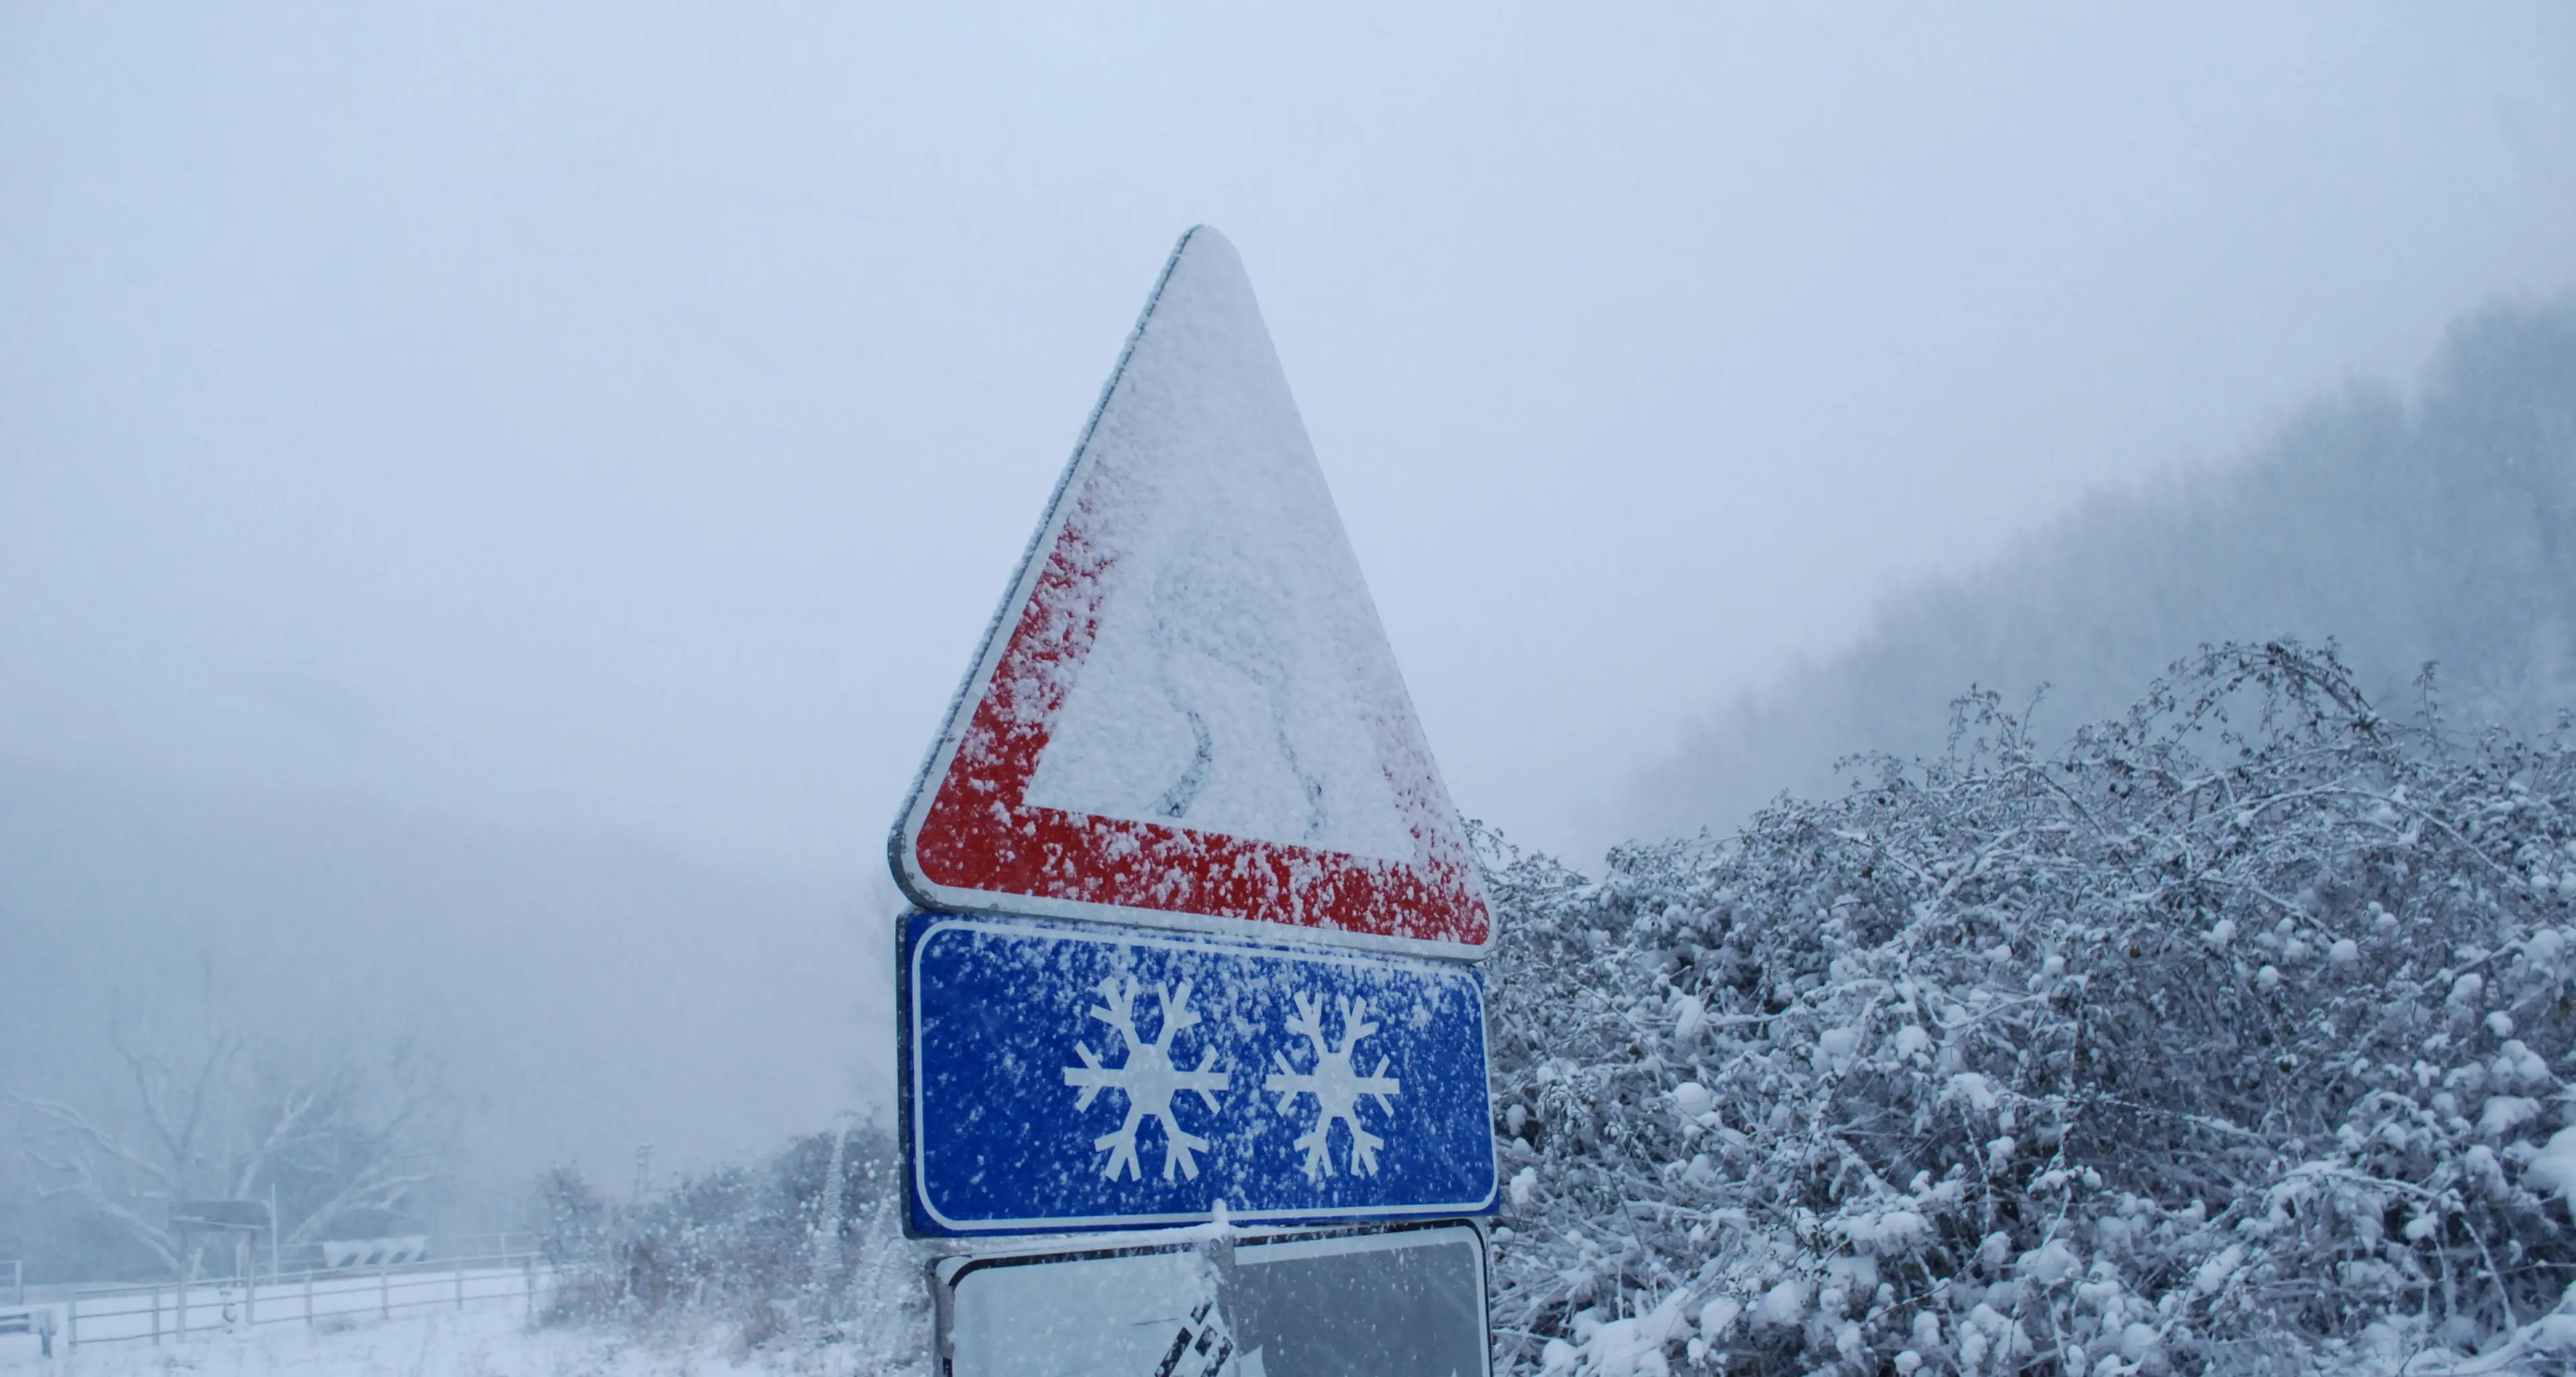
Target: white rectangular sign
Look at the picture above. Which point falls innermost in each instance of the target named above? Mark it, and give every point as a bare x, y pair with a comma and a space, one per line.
1408, 1299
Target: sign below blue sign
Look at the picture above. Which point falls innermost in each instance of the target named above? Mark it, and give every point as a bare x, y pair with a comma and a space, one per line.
1060, 1077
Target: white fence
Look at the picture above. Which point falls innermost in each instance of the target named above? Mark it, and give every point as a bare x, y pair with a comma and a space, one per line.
482, 1272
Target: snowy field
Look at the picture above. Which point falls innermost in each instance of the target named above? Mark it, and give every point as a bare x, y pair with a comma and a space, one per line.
425, 1321
476, 1342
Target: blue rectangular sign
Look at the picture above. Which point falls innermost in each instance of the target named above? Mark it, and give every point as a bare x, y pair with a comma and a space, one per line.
1060, 1077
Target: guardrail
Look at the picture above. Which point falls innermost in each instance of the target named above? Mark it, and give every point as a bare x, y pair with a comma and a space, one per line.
156, 1312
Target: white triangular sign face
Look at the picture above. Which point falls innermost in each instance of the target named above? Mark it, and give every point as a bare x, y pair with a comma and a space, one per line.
1187, 713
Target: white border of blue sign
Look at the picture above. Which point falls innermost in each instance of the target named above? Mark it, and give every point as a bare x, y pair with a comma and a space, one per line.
918, 1208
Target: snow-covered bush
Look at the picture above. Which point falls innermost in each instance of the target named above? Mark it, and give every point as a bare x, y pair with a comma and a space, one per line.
806, 1246
2229, 1036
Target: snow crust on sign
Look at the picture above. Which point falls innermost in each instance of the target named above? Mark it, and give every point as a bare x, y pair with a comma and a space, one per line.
1096, 1315
1081, 1077
1239, 681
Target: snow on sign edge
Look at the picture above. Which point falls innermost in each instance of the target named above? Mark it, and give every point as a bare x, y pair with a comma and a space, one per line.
969, 841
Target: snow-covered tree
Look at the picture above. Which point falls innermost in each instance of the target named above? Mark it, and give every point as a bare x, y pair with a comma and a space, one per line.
805, 1247
220, 1117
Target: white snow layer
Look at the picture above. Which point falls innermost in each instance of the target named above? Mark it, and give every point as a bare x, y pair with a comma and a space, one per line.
1240, 682
480, 1342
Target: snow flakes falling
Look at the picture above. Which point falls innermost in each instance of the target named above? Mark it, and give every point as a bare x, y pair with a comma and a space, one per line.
1149, 1078
1006, 1098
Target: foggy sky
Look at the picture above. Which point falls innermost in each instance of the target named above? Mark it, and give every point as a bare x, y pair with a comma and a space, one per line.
624, 421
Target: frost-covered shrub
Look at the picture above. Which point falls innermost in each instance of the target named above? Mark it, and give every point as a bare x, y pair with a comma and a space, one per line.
806, 1245
2231, 1036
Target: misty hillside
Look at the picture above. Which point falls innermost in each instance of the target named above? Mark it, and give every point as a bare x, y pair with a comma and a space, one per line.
546, 998
2440, 527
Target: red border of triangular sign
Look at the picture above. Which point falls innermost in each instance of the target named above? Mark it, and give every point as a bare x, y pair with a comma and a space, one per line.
975, 844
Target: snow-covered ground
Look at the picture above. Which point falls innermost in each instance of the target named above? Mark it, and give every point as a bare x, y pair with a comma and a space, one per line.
476, 1342
425, 1322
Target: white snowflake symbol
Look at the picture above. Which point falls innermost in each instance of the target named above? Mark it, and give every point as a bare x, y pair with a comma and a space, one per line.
1148, 1079
1335, 1085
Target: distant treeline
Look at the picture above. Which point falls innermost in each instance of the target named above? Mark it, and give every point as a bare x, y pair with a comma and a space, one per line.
2443, 530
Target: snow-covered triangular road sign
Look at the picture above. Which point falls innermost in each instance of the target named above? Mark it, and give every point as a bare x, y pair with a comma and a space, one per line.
1186, 713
